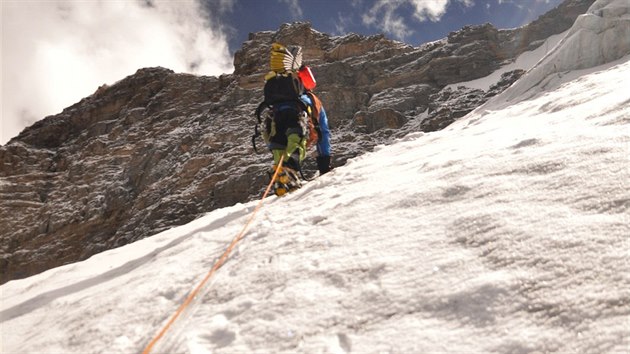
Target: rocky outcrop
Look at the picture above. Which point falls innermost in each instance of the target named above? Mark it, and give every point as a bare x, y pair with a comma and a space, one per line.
159, 149
448, 105
154, 150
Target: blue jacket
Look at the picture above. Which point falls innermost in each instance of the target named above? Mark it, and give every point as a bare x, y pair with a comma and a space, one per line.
323, 145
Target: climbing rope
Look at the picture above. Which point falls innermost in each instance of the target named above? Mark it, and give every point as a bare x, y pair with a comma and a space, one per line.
215, 267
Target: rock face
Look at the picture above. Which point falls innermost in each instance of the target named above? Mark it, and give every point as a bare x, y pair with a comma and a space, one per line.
159, 149
448, 105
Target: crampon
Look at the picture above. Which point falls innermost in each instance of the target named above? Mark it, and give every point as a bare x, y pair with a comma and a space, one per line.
286, 181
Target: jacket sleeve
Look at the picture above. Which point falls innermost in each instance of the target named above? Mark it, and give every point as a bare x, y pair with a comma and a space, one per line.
323, 145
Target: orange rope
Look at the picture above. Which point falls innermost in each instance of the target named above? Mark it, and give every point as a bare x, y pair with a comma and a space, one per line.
216, 266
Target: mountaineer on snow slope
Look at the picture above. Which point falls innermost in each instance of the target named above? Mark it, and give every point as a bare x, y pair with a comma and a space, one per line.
293, 118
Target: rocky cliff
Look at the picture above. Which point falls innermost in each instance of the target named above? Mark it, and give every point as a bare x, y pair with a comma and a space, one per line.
159, 149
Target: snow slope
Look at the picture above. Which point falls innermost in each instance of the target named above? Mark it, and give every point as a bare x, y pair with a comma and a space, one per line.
600, 36
506, 232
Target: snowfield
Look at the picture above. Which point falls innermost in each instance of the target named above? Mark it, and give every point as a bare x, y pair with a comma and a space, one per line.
507, 232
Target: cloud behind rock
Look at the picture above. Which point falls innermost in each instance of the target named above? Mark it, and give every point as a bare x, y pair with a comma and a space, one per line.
56, 52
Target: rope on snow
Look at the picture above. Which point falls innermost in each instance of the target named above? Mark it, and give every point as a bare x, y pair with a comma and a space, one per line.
215, 267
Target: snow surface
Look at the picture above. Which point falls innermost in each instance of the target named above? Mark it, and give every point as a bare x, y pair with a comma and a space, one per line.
506, 232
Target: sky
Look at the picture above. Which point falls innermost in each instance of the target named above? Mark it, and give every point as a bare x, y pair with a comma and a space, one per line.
487, 239
56, 52
412, 21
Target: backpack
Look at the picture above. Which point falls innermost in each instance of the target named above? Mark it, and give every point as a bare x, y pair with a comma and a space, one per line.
266, 109
285, 87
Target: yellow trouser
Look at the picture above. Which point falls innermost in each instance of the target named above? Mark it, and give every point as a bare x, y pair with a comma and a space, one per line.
294, 142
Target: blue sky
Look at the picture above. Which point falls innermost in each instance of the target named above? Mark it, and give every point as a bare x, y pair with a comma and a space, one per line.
412, 21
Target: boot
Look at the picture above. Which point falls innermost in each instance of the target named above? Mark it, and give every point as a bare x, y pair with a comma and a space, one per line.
286, 181
323, 164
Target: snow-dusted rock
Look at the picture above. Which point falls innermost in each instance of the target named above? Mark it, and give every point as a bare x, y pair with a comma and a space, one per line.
450, 104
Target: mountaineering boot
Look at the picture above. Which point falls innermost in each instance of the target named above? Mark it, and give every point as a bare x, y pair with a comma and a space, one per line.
323, 164
286, 181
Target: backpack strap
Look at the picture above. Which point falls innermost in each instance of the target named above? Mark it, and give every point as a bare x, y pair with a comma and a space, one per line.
259, 110
317, 105
316, 109
257, 132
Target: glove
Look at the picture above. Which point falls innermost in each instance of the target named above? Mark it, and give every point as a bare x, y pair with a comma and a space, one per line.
323, 164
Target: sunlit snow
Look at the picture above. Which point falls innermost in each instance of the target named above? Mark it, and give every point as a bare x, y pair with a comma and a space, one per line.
506, 232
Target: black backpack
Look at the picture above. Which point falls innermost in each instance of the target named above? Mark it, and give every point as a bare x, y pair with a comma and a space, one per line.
280, 88
283, 88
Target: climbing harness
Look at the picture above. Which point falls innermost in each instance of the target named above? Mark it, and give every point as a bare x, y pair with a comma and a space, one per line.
215, 267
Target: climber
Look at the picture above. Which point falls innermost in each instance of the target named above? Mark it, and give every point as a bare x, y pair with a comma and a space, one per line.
295, 119
322, 131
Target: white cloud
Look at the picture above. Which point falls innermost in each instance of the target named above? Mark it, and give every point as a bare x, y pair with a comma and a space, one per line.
340, 25
386, 15
294, 8
383, 16
55, 52
431, 10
